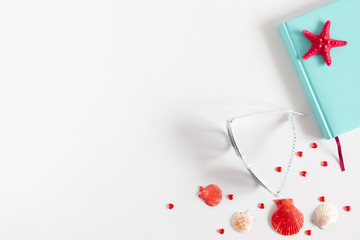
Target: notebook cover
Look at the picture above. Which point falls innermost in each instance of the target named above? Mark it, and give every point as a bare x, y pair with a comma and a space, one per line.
333, 91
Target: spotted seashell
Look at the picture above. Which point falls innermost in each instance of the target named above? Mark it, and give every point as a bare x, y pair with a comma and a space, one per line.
242, 221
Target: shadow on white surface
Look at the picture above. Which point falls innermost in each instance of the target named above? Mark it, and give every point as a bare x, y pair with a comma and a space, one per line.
312, 217
202, 139
204, 142
240, 181
331, 150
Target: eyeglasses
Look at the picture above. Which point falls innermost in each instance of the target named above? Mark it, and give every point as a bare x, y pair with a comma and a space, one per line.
241, 154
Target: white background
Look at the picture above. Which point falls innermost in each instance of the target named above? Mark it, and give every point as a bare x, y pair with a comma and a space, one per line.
112, 109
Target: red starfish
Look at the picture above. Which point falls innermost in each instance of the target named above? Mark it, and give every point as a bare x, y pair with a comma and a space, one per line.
322, 43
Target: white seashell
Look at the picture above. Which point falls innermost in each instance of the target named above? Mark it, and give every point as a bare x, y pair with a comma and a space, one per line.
325, 214
242, 222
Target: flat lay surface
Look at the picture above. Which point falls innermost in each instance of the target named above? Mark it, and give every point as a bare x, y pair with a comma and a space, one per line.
113, 114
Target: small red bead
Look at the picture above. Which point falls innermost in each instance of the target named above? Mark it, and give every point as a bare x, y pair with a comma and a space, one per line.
261, 205
308, 232
230, 196
221, 231
347, 208
303, 173
300, 154
278, 169
322, 199
314, 145
170, 206
324, 163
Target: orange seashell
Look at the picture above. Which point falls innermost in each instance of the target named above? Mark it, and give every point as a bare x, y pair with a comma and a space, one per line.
287, 219
211, 195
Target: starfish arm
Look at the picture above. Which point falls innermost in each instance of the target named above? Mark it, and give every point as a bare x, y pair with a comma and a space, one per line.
322, 43
312, 51
309, 35
337, 43
326, 56
326, 30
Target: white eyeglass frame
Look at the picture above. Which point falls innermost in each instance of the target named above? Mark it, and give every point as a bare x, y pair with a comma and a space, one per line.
241, 155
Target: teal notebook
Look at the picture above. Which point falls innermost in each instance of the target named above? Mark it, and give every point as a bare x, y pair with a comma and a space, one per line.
333, 91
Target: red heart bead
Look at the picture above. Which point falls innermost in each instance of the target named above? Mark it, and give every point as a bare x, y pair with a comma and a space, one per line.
347, 208
324, 163
300, 154
170, 206
322, 199
230, 196
261, 205
314, 145
308, 232
221, 231
303, 173
278, 169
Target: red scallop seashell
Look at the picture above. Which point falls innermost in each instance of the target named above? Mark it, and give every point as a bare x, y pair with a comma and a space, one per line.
300, 154
221, 231
322, 199
287, 219
211, 195
230, 196
170, 206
